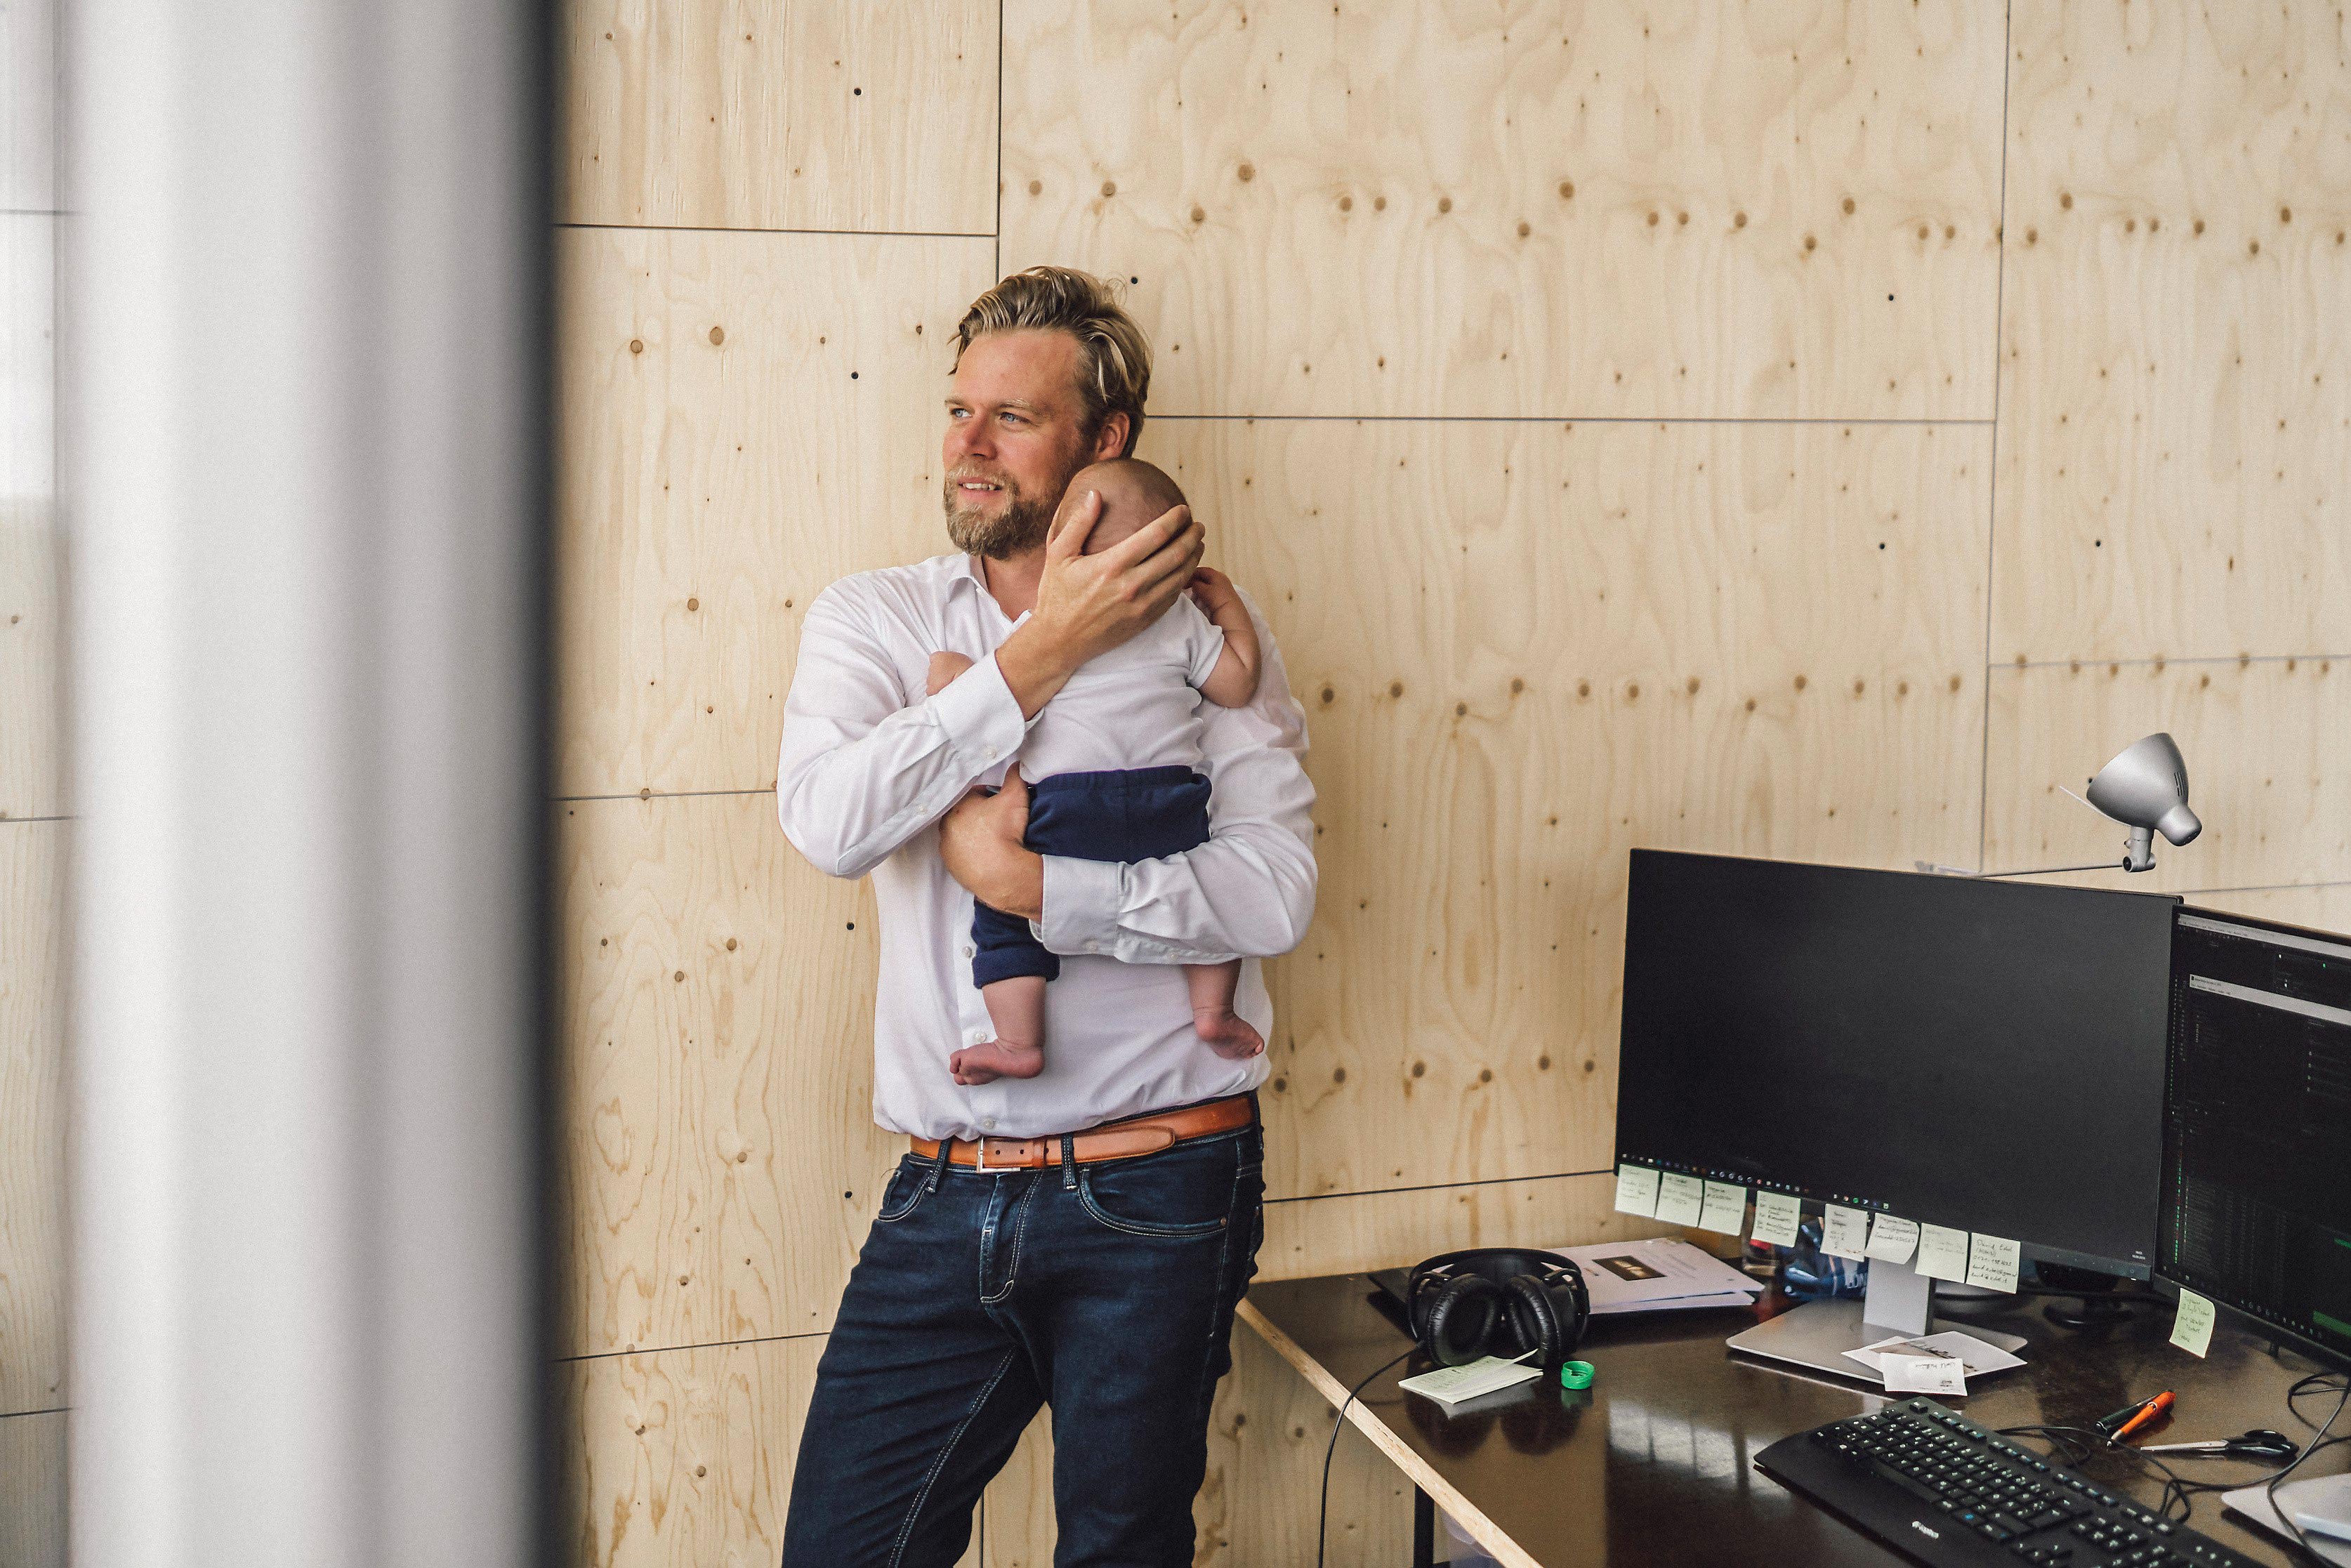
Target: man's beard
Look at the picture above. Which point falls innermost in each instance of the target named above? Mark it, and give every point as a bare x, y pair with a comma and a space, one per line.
1019, 527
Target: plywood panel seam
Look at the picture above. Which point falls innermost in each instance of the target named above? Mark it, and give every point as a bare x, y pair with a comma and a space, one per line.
661, 795
2161, 663
1546, 419
695, 1345
750, 229
50, 1410
11, 822
1451, 1185
1991, 486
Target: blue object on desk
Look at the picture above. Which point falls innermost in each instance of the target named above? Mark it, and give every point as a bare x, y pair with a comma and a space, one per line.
1809, 1274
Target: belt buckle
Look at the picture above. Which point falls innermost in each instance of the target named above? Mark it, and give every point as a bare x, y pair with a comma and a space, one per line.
980, 1154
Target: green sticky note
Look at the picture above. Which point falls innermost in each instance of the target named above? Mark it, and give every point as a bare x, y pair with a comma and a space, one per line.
1637, 1190
1992, 1261
1777, 1214
1681, 1199
1942, 1252
1726, 1209
2192, 1331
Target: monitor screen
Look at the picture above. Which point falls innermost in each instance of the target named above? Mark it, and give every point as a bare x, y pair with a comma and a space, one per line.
2257, 1126
1982, 1055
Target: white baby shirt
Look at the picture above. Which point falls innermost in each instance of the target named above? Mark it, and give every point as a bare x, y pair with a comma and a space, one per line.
1136, 705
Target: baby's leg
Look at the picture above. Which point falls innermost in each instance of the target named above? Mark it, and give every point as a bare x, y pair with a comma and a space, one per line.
945, 667
1015, 1006
1224, 1032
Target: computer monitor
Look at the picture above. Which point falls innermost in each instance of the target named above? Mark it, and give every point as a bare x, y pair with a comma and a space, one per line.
2256, 1210
1982, 1055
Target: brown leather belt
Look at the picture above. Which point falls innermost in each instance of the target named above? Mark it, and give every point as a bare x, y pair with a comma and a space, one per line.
1112, 1141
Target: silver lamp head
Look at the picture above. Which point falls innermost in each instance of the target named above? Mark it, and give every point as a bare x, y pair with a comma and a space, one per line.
2145, 789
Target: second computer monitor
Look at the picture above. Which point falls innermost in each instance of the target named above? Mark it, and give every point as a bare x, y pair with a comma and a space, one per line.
1987, 1056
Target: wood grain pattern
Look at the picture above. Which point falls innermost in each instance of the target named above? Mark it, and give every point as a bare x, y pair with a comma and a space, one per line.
2268, 744
2176, 416
720, 1161
1307, 1237
744, 419
683, 1459
1524, 649
32, 1117
822, 114
1554, 209
32, 633
33, 1491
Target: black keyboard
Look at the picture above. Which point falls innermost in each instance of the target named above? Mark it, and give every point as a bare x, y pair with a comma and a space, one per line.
1940, 1490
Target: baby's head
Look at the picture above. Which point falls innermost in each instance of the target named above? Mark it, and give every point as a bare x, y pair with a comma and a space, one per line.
1133, 493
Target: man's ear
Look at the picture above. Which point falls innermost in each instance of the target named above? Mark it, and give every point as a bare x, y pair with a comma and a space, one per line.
1110, 441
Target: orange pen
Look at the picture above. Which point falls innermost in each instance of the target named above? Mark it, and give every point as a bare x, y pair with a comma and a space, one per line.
2157, 1409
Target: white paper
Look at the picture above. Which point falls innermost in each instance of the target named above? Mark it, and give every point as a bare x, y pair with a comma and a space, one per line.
1664, 1271
1991, 1262
1452, 1384
1726, 1209
1636, 1191
1777, 1214
1677, 1303
1891, 1239
1942, 1252
1845, 1234
1923, 1374
1681, 1199
1973, 1355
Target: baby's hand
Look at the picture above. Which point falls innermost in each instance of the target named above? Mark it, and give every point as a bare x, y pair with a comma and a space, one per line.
1212, 590
945, 667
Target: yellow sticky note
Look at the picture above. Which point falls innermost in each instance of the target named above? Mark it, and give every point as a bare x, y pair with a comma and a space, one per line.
2192, 1331
1637, 1190
1777, 1214
1892, 1238
1844, 1233
1681, 1199
1942, 1252
1726, 1209
1991, 1262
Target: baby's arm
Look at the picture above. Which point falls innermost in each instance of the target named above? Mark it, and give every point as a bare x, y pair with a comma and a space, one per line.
1233, 683
944, 668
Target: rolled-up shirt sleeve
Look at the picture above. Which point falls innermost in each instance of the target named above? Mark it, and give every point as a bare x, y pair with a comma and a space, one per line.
1248, 892
863, 767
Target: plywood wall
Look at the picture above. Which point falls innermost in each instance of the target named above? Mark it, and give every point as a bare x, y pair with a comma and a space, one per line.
1788, 429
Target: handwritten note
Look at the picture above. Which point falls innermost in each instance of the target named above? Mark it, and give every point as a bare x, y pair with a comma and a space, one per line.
1636, 1191
1893, 1240
1726, 1209
1942, 1252
1991, 1262
1681, 1199
2192, 1331
1845, 1233
1452, 1384
1923, 1373
1777, 1214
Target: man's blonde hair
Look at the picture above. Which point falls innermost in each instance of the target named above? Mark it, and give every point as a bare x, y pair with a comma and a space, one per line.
1113, 356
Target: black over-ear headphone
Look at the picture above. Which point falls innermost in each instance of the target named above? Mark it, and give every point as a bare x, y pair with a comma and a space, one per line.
1498, 1300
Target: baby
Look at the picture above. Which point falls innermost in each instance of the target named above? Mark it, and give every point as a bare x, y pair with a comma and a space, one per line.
1112, 767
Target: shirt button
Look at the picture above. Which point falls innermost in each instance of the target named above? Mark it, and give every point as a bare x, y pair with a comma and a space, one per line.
988, 752
1093, 946
988, 1122
966, 949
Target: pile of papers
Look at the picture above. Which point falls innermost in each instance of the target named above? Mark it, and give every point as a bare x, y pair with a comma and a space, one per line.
1933, 1364
1658, 1276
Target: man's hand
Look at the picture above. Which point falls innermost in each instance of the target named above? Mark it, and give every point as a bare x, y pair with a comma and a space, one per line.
1087, 603
979, 839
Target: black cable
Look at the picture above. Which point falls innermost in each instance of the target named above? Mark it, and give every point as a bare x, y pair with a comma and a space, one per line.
2269, 1492
1323, 1524
2084, 1443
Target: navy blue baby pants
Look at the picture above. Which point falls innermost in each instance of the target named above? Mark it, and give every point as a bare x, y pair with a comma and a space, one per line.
1126, 815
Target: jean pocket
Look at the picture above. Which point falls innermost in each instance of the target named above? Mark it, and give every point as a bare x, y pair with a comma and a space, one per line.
904, 1190
1185, 1193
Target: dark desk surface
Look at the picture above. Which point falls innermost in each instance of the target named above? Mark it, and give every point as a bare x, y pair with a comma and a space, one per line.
1653, 1465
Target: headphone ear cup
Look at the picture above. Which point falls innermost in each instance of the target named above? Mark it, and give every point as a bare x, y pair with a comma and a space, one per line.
1537, 1325
1462, 1320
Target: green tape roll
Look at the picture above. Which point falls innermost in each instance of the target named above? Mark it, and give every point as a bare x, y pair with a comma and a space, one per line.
1575, 1374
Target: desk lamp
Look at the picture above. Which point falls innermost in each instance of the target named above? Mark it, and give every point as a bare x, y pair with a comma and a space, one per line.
2144, 789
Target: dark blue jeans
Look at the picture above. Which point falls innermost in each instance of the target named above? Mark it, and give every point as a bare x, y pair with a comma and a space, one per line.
1128, 814
1105, 1289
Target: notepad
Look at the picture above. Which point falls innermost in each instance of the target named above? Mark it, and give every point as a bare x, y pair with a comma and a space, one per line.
1991, 1262
1845, 1233
1777, 1214
1452, 1384
1681, 1199
1726, 1209
2191, 1329
1892, 1239
1636, 1191
1942, 1252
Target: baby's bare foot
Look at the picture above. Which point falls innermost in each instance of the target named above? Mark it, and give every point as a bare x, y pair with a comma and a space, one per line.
993, 1059
944, 668
1226, 1033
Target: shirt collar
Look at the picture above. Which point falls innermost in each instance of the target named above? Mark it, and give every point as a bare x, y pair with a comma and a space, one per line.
966, 569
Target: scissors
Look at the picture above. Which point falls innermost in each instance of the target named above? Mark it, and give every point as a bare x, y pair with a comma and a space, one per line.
2260, 1443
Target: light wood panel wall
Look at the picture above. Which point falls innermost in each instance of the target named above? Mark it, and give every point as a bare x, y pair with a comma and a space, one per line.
1777, 523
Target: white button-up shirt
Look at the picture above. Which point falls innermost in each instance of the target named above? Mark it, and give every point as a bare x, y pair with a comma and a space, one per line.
869, 765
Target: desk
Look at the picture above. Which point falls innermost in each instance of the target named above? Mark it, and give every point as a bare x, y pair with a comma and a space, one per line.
1652, 1464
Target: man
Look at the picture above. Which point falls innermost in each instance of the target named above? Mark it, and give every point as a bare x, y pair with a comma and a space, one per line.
1089, 1248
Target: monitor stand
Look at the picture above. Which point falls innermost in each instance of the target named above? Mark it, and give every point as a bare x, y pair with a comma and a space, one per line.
1900, 1301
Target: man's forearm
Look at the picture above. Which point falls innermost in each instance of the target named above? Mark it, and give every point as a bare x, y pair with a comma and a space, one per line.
1035, 664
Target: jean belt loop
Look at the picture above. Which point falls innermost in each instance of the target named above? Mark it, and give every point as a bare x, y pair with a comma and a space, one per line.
1069, 1162
939, 1167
